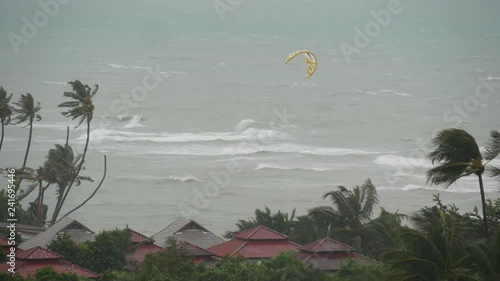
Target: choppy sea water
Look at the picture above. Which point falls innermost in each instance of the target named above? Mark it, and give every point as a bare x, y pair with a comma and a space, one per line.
225, 126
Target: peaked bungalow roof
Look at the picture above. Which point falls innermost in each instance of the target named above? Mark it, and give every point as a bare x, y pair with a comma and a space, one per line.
23, 228
140, 247
32, 260
4, 241
187, 230
329, 255
194, 250
327, 245
255, 243
199, 254
78, 232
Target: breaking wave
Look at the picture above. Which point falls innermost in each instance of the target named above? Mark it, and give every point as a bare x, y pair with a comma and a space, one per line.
185, 179
400, 161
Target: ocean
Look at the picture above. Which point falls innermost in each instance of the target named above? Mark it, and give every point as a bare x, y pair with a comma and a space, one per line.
200, 117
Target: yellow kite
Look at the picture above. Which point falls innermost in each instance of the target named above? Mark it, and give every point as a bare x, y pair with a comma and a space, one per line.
312, 61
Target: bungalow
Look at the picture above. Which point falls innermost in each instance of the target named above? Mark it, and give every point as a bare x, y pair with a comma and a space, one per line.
30, 261
4, 242
77, 231
184, 230
200, 255
140, 246
27, 231
259, 242
329, 255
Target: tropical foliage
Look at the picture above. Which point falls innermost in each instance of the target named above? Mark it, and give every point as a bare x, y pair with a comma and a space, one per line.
25, 110
5, 111
457, 155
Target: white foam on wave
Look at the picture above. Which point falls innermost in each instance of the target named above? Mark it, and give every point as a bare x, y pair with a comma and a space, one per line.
55, 83
243, 148
493, 79
134, 122
265, 166
184, 179
400, 161
250, 134
121, 66
58, 126
385, 92
243, 124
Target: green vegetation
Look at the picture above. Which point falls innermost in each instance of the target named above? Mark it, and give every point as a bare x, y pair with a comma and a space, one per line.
62, 166
457, 155
434, 243
106, 252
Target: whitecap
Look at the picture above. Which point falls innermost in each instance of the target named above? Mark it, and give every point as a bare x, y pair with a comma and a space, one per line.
400, 161
244, 124
265, 166
134, 122
184, 179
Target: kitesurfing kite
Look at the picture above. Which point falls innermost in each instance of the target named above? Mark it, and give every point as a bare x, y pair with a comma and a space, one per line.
312, 61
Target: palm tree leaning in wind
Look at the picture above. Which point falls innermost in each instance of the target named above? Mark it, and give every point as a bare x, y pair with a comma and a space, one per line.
81, 107
62, 167
351, 212
5, 111
458, 155
26, 110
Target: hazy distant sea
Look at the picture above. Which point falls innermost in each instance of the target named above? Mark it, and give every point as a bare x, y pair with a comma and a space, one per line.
220, 85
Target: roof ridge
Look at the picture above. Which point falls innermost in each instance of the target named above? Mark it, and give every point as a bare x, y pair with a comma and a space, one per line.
24, 255
198, 247
319, 243
239, 248
79, 267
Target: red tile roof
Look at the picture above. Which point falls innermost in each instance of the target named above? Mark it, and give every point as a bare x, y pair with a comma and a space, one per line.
140, 247
38, 253
194, 250
139, 253
32, 260
136, 237
26, 269
332, 261
260, 233
257, 242
4, 241
327, 245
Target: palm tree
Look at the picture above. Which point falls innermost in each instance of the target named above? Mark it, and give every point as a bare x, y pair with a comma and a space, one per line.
458, 155
434, 250
38, 177
5, 111
81, 107
26, 110
310, 228
280, 222
486, 255
62, 169
350, 219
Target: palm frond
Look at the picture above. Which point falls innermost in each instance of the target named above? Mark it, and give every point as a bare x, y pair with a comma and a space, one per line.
26, 110
5, 108
493, 146
449, 173
370, 199
494, 172
81, 104
456, 146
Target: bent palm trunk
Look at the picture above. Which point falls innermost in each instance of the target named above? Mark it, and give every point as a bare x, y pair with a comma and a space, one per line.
483, 201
